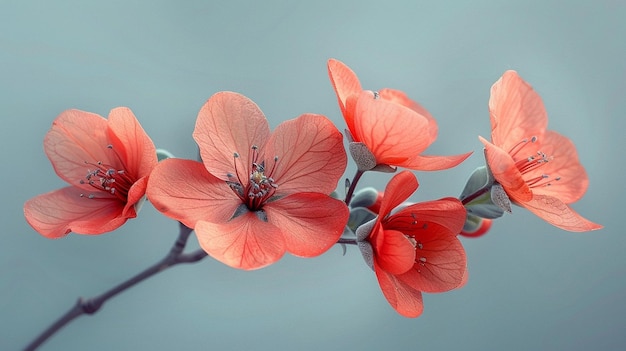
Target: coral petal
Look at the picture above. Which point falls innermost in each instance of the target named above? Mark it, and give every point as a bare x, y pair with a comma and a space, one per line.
131, 142
399, 97
229, 123
435, 163
403, 298
136, 194
77, 137
185, 191
392, 132
564, 164
448, 212
399, 188
245, 242
395, 254
464, 279
310, 155
503, 168
516, 111
346, 85
555, 212
57, 213
311, 223
440, 263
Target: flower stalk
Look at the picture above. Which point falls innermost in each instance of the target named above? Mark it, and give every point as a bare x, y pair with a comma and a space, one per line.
353, 184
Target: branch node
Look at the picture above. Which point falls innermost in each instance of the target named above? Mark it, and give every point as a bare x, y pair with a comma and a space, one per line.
89, 306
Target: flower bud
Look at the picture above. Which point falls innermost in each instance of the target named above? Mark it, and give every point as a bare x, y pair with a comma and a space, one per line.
369, 198
475, 226
483, 197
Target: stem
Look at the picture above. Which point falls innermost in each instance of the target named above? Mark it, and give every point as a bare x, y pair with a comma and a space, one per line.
473, 196
92, 305
355, 180
349, 241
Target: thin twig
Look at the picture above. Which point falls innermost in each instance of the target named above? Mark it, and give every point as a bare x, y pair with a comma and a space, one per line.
476, 194
353, 184
349, 241
92, 305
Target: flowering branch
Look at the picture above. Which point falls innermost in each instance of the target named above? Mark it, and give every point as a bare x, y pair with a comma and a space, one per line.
92, 305
258, 194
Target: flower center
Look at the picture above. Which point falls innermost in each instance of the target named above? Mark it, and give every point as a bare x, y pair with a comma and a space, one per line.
106, 179
528, 160
258, 187
420, 258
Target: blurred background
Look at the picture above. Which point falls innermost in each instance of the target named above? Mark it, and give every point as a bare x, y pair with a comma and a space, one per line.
531, 286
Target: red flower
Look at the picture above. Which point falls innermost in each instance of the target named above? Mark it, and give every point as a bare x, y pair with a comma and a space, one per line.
106, 163
538, 168
256, 194
387, 126
416, 248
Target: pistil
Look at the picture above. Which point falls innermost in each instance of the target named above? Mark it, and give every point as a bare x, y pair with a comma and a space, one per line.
534, 161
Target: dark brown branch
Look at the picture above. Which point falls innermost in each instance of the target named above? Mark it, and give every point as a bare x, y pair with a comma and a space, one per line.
353, 184
349, 241
92, 305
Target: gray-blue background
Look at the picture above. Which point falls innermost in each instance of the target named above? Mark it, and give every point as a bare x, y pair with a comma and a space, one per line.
531, 286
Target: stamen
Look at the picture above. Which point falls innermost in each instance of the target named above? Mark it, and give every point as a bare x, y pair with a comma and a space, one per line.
237, 188
102, 177
259, 186
117, 156
523, 143
539, 181
235, 157
517, 147
255, 153
258, 167
532, 162
269, 174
